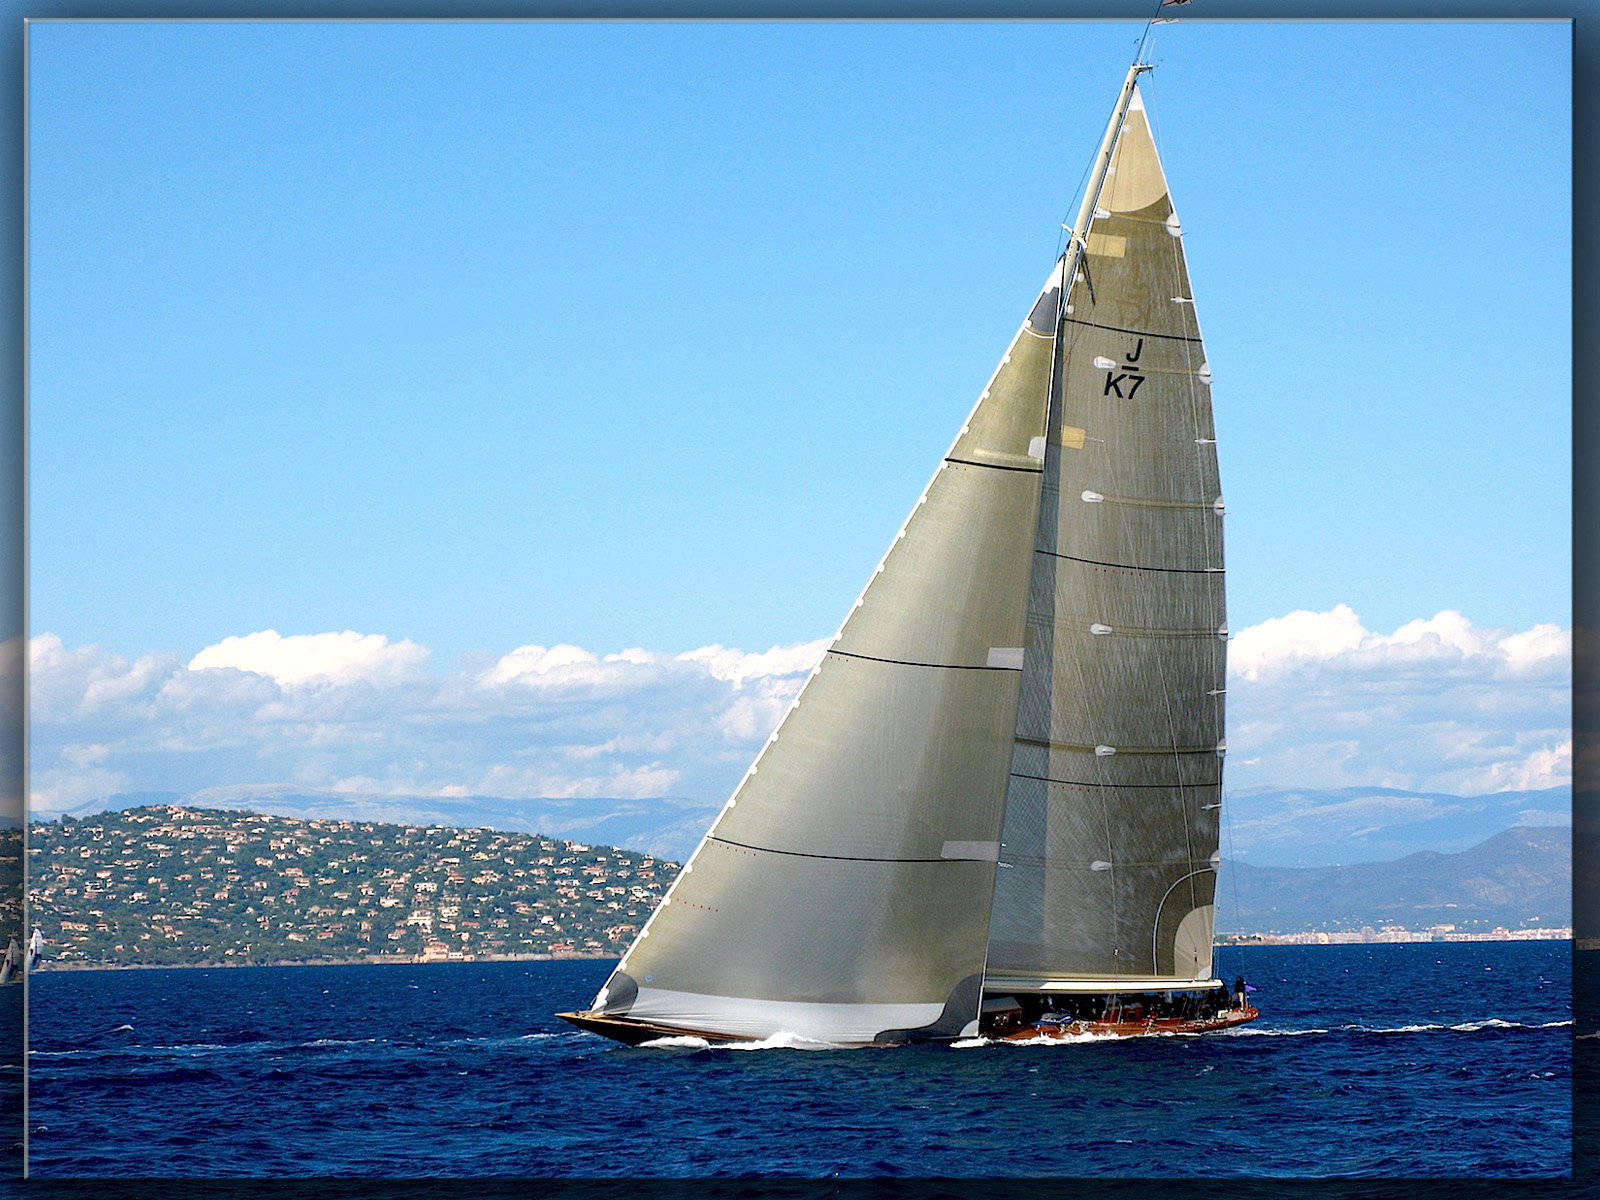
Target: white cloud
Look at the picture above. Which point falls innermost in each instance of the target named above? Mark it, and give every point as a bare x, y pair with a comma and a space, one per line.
358, 714
1338, 638
1299, 637
1317, 700
535, 664
315, 657
737, 666
89, 681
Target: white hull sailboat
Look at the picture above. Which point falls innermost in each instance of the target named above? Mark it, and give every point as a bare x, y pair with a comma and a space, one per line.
994, 807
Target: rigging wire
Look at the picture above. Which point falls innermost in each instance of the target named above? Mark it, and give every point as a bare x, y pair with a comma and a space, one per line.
1138, 56
1066, 217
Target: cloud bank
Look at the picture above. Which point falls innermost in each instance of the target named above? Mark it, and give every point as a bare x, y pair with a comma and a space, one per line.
1316, 700
357, 713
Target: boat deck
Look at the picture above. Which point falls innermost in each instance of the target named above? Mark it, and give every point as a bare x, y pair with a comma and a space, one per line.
1065, 1030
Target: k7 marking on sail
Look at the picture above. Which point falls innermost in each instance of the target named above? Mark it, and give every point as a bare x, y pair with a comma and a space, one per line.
1126, 372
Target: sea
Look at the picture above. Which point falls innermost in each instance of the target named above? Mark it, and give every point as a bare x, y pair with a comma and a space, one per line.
1376, 1061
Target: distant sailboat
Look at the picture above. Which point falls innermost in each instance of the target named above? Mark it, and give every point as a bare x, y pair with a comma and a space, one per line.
35, 950
994, 807
11, 962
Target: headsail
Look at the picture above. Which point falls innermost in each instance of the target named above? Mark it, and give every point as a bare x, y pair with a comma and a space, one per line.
843, 893
1108, 872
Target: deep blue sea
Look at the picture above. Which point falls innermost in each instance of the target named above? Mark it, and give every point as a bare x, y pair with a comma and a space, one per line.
1385, 1060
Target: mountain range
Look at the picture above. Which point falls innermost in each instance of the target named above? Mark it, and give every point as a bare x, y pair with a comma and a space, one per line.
1519, 878
1265, 827
1303, 827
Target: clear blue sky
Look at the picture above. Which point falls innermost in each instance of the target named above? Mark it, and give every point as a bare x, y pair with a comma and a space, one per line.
650, 335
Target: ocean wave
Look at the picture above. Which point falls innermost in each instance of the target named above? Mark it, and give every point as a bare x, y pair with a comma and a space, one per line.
339, 1042
1458, 1027
1497, 1023
1070, 1039
508, 1039
680, 1042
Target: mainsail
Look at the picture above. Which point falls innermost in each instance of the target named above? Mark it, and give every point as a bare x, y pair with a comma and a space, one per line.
1020, 718
1111, 825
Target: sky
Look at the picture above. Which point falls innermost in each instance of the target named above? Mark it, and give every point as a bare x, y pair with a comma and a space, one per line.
378, 371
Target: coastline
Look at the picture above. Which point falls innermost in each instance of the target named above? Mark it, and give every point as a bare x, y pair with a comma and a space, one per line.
54, 967
1235, 941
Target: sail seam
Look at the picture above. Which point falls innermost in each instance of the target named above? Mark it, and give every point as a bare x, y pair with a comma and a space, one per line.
832, 857
1171, 787
1095, 562
1176, 337
900, 662
967, 462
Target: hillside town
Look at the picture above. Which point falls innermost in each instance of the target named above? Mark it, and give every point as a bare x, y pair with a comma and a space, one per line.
170, 886
1367, 935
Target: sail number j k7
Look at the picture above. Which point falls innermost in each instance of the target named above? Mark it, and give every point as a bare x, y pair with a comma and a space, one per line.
1125, 374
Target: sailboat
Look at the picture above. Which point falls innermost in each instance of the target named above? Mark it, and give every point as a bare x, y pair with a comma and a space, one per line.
994, 807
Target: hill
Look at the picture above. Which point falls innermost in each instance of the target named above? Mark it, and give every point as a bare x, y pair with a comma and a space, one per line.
167, 886
666, 827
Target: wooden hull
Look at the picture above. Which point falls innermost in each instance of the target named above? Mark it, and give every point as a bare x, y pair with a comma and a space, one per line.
1069, 1030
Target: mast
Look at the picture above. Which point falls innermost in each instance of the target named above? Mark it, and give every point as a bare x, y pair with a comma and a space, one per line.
1102, 160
